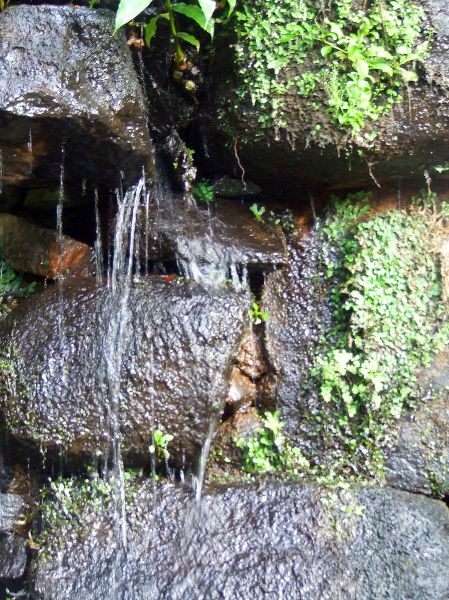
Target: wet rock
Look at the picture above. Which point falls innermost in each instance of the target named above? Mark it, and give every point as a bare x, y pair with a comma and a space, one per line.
224, 239
69, 95
242, 392
419, 460
43, 199
295, 300
250, 358
235, 188
226, 459
13, 557
268, 541
33, 249
412, 137
170, 361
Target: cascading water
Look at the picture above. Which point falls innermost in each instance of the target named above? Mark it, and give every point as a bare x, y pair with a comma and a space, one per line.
116, 330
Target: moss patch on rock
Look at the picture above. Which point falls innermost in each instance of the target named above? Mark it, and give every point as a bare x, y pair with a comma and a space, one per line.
353, 60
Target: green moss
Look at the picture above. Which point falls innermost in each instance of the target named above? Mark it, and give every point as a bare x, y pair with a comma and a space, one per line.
389, 319
354, 59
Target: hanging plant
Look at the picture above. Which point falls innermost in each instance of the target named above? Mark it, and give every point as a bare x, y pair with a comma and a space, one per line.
200, 12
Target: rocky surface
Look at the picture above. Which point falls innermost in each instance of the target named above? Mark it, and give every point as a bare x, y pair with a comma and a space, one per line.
13, 556
226, 237
254, 542
296, 303
69, 98
61, 354
419, 461
36, 250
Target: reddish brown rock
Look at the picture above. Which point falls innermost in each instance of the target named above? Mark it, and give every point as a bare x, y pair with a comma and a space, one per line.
242, 392
250, 358
36, 250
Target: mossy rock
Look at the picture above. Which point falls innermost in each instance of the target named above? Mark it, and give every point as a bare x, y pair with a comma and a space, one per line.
287, 136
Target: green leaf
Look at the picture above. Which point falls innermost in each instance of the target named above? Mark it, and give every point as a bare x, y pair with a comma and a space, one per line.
381, 65
208, 7
128, 10
362, 67
325, 50
190, 39
195, 13
150, 30
232, 4
408, 76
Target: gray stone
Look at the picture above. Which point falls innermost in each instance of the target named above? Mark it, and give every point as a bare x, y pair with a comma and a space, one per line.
63, 356
419, 460
13, 557
272, 541
226, 237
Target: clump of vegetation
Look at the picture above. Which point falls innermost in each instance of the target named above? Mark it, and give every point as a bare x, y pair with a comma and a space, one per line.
284, 220
355, 58
73, 500
389, 319
268, 450
159, 445
204, 192
256, 315
201, 13
11, 284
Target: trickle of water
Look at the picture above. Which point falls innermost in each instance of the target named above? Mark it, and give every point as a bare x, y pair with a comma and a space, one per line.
98, 245
30, 142
116, 320
1, 171
198, 479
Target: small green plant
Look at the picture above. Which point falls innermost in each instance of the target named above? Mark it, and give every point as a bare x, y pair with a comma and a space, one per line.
268, 450
201, 13
3, 4
256, 315
11, 283
258, 212
203, 191
159, 445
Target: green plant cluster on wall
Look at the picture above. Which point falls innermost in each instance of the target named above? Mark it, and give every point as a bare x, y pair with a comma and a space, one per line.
353, 58
389, 319
11, 283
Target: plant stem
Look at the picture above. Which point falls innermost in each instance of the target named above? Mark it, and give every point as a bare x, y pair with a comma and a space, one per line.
171, 16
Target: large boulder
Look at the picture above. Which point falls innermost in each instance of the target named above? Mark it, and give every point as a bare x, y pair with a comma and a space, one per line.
33, 249
70, 99
297, 304
78, 362
251, 542
300, 144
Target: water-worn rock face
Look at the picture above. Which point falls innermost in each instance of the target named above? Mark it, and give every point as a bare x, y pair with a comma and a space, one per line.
273, 541
411, 138
65, 81
13, 556
178, 341
296, 303
419, 461
226, 237
32, 249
